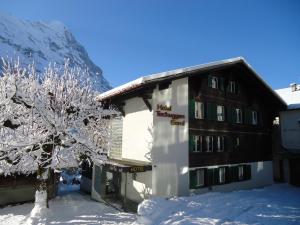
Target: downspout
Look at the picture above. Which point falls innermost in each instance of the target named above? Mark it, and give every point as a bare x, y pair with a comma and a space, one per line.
125, 193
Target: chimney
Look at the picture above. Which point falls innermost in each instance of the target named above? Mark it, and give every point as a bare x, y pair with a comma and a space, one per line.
293, 86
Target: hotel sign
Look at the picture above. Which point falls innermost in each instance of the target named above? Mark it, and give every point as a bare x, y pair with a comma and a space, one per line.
165, 111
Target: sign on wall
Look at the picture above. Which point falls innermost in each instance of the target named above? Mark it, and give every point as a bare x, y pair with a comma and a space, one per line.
165, 111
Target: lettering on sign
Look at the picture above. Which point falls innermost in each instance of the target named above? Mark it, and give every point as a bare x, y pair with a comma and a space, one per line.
137, 169
177, 123
174, 117
164, 107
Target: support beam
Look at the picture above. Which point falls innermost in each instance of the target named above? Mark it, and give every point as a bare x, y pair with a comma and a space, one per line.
147, 103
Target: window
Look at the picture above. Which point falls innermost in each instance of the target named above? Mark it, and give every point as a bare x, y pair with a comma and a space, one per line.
209, 144
220, 113
220, 143
232, 87
237, 143
200, 177
214, 82
197, 143
254, 117
241, 173
222, 175
238, 115
199, 110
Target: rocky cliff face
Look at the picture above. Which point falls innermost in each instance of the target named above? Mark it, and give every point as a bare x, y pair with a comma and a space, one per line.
43, 43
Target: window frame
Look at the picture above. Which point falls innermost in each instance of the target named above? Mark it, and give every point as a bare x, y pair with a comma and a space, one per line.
209, 142
232, 86
196, 145
222, 175
239, 115
200, 114
253, 118
220, 144
200, 177
222, 107
214, 82
240, 173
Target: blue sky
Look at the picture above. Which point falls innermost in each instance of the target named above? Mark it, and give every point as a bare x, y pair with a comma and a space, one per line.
128, 39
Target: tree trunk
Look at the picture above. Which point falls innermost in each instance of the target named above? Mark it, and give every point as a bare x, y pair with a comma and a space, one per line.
40, 210
41, 195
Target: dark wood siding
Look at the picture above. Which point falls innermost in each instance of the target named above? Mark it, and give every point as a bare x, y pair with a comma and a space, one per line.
255, 140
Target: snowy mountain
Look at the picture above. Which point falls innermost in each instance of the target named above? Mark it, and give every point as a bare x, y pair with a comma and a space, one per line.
43, 43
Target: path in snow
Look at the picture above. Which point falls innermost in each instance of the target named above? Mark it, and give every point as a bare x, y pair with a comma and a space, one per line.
74, 208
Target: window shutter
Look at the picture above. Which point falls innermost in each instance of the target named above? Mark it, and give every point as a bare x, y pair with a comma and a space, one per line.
248, 116
193, 178
222, 83
209, 111
209, 81
216, 176
237, 88
234, 116
227, 175
191, 143
247, 172
210, 177
214, 111
233, 173
192, 108
229, 114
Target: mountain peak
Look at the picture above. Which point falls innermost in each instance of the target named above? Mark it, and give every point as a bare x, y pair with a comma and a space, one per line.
44, 43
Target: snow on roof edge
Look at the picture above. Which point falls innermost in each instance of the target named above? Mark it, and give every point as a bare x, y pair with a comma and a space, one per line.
148, 78
156, 76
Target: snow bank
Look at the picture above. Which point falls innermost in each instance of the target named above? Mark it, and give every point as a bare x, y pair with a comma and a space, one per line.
40, 212
274, 205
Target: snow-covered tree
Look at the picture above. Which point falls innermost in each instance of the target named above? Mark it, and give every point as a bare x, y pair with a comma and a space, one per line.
49, 121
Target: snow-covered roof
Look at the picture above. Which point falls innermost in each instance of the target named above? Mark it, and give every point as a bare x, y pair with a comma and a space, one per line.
292, 98
179, 72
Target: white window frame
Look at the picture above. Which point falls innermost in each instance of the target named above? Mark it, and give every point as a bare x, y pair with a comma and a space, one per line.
199, 110
214, 82
198, 143
232, 86
209, 143
241, 172
239, 115
220, 143
254, 117
200, 177
220, 113
222, 174
237, 142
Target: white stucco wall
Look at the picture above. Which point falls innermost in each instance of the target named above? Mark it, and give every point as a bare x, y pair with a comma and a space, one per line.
137, 136
261, 175
290, 129
170, 144
139, 189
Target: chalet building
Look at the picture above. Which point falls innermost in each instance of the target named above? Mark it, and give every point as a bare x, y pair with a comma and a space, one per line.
287, 151
191, 130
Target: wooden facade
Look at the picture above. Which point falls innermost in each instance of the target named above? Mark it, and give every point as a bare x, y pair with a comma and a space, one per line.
255, 143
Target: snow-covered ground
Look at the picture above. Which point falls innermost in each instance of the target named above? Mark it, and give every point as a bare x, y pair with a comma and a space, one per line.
73, 208
274, 205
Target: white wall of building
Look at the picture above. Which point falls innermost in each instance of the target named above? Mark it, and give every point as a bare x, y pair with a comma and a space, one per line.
170, 144
137, 136
261, 175
139, 188
290, 129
